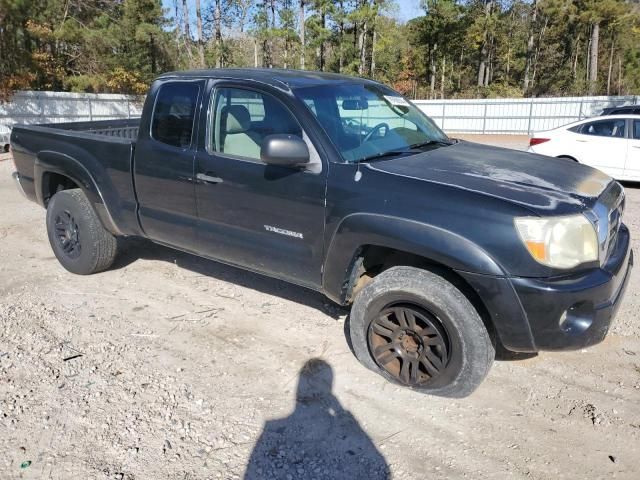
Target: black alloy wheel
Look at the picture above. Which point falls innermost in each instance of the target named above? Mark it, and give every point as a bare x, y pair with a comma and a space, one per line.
410, 344
68, 234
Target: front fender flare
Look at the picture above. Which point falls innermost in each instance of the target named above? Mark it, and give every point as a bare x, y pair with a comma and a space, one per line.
428, 241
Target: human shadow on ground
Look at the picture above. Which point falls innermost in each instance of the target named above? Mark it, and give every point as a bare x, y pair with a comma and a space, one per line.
319, 440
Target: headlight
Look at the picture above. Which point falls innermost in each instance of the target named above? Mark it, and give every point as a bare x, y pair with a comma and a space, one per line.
559, 242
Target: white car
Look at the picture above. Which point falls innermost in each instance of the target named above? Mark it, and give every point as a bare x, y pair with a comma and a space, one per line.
610, 143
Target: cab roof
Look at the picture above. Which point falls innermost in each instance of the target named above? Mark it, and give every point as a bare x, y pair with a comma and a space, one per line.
273, 76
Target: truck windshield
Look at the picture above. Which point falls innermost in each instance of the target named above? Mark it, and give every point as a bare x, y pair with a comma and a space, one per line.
367, 121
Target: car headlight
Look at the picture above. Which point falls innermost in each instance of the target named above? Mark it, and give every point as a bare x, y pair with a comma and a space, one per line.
559, 242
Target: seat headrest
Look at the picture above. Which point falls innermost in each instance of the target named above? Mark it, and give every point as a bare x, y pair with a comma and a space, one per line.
236, 118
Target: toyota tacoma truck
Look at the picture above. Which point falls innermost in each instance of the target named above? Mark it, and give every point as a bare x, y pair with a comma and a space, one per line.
445, 250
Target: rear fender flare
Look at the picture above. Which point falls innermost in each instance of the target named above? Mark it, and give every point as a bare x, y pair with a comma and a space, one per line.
54, 162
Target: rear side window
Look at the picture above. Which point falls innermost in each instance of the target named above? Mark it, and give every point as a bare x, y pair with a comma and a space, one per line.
174, 112
605, 128
636, 129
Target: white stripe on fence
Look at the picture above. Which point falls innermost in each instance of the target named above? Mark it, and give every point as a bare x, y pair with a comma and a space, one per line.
498, 116
515, 115
57, 107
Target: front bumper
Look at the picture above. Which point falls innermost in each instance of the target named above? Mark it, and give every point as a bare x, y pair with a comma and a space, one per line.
560, 313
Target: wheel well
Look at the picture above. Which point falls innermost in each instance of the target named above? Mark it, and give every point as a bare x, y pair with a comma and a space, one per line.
568, 157
371, 260
53, 183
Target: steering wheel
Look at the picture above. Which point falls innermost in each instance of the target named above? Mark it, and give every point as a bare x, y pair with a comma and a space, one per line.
375, 129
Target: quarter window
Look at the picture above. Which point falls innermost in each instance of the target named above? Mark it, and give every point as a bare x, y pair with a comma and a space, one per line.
605, 128
174, 112
241, 119
636, 129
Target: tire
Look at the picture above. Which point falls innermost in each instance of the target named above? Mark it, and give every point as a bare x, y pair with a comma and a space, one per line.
446, 340
79, 241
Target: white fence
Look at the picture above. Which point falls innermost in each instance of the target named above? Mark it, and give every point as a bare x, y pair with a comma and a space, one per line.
58, 107
498, 116
515, 115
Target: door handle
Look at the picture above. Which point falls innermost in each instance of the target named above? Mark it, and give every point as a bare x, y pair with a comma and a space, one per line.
635, 146
204, 178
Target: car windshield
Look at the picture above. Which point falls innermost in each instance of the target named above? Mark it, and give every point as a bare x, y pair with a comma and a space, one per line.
368, 121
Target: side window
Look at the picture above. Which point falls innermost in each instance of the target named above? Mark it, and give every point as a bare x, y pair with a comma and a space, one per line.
174, 112
605, 128
241, 119
636, 129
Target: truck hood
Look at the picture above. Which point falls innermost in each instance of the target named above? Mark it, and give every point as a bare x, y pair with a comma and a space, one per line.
541, 184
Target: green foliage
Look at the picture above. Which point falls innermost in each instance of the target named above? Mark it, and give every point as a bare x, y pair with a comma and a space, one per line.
457, 48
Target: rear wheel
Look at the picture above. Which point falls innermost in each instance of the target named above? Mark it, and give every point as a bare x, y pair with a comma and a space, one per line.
418, 330
79, 241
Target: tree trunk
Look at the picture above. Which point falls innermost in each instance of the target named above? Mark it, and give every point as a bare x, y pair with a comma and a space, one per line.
302, 44
593, 55
152, 52
537, 54
185, 19
482, 67
178, 26
432, 71
373, 54
187, 31
619, 75
200, 36
575, 60
341, 27
613, 42
362, 46
255, 52
273, 27
323, 25
217, 20
443, 77
530, 48
460, 69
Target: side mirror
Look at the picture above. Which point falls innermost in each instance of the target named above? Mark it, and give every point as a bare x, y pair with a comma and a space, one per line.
284, 150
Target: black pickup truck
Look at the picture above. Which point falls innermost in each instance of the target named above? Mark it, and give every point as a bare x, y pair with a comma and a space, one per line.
445, 250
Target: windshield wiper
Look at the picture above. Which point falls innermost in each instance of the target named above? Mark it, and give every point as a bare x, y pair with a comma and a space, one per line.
390, 153
409, 149
430, 142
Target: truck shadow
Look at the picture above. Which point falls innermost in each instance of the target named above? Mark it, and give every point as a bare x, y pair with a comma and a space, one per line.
133, 249
319, 439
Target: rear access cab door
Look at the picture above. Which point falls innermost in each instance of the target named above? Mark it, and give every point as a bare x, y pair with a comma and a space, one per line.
164, 162
262, 217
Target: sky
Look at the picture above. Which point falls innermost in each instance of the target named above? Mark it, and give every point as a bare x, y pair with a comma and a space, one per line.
406, 9
409, 9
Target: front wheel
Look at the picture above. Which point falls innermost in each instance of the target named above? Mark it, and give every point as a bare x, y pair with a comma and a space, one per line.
79, 241
418, 330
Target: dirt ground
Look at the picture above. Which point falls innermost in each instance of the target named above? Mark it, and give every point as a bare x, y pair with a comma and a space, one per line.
173, 367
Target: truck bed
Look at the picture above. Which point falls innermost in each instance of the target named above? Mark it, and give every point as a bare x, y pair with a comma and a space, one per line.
126, 129
98, 155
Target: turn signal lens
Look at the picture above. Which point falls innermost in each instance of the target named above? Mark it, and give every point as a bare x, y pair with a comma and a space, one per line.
559, 242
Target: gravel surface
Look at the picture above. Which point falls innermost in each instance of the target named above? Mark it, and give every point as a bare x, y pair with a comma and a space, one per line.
169, 366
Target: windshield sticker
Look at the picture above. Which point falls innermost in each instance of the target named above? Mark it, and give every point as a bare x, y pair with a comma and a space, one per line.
396, 101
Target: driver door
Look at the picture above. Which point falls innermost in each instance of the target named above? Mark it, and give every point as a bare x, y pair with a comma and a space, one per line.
262, 217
